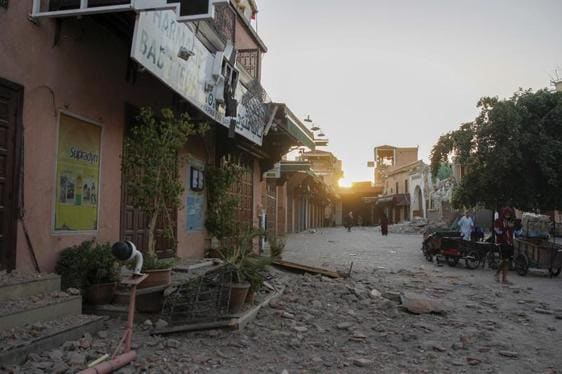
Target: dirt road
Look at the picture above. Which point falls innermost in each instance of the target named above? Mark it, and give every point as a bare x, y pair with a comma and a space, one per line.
357, 325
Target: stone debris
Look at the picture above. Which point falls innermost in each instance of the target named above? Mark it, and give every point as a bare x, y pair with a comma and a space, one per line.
543, 311
160, 324
509, 354
362, 362
419, 304
345, 325
392, 295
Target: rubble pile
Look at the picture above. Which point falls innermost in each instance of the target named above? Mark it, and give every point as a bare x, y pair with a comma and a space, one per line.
416, 226
378, 321
19, 276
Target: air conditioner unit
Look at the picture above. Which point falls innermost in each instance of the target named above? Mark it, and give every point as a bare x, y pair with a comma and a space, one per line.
224, 74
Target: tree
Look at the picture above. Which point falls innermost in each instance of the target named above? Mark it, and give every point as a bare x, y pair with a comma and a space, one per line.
150, 163
512, 152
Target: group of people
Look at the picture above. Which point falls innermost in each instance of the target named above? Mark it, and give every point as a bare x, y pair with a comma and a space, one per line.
504, 228
349, 220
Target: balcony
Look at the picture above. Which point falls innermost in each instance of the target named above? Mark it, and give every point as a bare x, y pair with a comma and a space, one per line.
224, 23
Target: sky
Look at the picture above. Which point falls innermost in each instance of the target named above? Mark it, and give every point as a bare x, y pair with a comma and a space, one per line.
402, 72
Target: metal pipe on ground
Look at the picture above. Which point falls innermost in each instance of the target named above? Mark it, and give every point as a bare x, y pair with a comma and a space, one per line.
110, 366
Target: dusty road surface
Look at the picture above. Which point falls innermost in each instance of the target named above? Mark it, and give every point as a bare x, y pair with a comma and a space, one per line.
358, 325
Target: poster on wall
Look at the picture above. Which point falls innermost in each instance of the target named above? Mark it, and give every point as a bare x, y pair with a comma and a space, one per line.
195, 198
78, 169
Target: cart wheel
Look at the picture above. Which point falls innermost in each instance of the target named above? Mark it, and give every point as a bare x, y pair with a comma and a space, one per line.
452, 261
521, 265
492, 259
472, 260
554, 272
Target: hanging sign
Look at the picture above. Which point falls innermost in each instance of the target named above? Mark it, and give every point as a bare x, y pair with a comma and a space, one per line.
78, 169
158, 41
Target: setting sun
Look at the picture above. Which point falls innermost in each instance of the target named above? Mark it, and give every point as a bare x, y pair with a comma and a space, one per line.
344, 183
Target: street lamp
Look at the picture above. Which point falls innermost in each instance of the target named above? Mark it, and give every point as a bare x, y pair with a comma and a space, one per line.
314, 127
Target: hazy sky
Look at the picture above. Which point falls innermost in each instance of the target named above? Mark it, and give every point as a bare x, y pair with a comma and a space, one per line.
402, 72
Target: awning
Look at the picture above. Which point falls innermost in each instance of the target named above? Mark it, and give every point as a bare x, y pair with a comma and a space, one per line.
296, 131
401, 199
292, 125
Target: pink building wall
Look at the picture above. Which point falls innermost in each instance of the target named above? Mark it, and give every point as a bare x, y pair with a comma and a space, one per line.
84, 75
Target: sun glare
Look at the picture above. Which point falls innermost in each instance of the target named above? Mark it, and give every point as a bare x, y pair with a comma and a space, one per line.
344, 183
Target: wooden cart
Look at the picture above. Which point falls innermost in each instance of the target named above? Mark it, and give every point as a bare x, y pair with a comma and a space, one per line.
537, 254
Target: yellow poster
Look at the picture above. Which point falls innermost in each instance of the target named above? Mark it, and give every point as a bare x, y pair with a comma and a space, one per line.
78, 169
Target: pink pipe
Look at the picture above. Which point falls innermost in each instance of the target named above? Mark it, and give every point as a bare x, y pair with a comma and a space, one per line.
110, 366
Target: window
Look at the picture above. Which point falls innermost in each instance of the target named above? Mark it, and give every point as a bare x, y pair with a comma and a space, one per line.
397, 190
406, 186
197, 179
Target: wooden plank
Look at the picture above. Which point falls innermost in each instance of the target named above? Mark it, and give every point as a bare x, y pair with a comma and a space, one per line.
306, 268
227, 323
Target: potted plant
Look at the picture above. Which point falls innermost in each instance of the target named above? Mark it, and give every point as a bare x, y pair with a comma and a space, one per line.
276, 246
248, 269
158, 270
150, 163
91, 268
102, 274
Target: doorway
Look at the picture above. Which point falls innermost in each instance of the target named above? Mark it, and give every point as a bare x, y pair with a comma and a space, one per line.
11, 104
134, 222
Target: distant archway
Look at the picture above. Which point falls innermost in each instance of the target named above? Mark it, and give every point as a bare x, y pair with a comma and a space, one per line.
418, 203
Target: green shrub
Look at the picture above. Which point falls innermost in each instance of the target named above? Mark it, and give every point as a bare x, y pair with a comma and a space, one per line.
155, 263
81, 266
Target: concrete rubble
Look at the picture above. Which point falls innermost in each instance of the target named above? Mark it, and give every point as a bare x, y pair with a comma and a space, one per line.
362, 324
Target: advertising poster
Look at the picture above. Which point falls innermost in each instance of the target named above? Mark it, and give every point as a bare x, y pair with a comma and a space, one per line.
195, 197
78, 169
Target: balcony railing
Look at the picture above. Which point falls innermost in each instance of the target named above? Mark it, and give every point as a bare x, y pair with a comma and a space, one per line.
250, 60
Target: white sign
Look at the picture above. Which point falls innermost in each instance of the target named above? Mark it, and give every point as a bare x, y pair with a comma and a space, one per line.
157, 40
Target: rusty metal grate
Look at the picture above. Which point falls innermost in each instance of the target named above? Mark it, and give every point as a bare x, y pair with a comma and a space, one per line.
202, 299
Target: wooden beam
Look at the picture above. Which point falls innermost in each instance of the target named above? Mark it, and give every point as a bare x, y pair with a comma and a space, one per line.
227, 323
306, 269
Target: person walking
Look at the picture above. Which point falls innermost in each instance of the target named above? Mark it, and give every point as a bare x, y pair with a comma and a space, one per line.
466, 224
384, 225
503, 228
348, 221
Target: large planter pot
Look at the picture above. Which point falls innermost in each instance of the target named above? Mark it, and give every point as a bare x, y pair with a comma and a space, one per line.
251, 297
238, 293
150, 300
155, 278
99, 294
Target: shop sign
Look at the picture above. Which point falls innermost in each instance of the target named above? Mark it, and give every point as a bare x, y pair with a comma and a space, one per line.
157, 40
274, 173
78, 170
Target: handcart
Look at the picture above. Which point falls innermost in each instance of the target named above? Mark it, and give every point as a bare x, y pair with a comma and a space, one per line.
451, 248
537, 253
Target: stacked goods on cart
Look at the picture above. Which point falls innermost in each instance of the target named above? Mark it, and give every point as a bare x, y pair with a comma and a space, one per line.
535, 225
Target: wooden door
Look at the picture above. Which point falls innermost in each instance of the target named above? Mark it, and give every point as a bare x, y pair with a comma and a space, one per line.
271, 208
11, 98
134, 222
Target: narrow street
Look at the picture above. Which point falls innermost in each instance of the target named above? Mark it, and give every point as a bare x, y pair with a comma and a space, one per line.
321, 325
